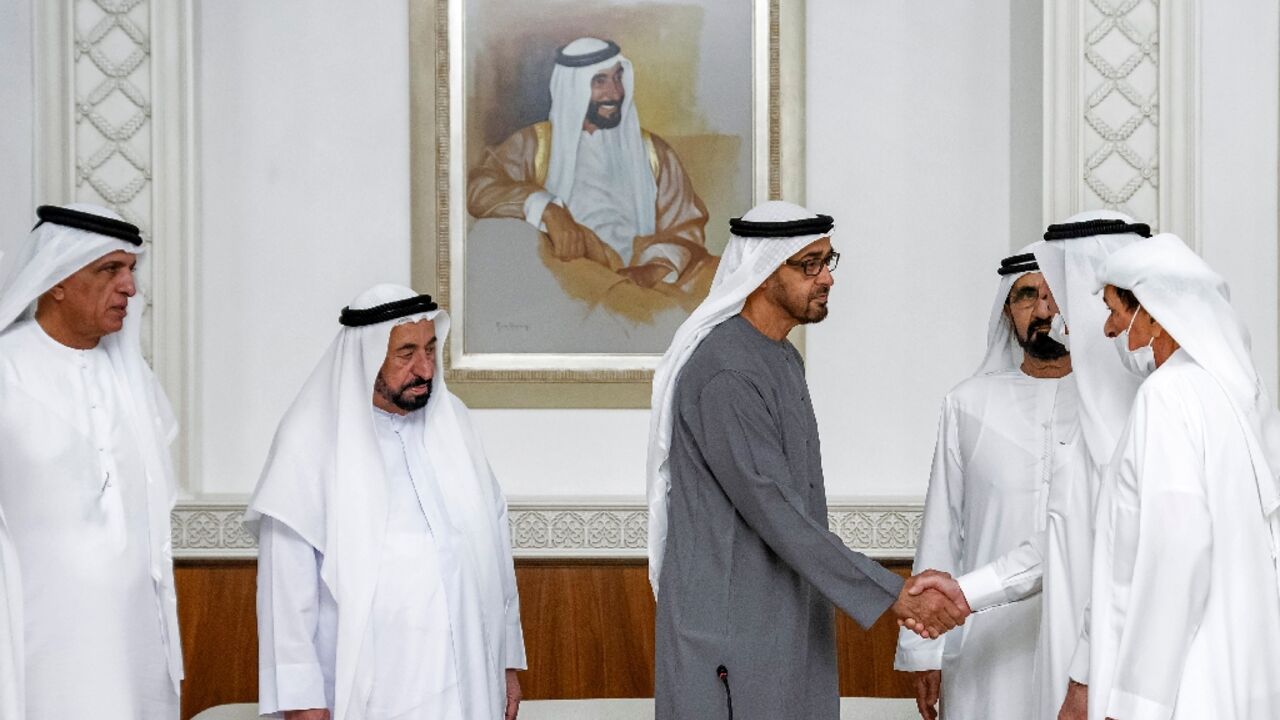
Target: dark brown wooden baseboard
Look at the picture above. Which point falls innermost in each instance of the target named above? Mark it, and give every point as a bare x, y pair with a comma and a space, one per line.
588, 631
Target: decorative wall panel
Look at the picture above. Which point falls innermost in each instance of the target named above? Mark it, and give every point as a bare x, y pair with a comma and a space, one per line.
112, 114
1121, 142
563, 530
1121, 110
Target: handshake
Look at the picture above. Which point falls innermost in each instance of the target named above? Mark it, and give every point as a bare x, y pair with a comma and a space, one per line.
930, 604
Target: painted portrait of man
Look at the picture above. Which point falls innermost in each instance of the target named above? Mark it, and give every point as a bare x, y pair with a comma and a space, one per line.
588, 228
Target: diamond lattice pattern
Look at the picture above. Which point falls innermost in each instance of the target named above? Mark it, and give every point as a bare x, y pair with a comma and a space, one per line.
1121, 136
112, 84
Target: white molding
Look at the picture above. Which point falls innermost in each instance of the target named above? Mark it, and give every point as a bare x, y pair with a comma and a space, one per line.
791, 99
54, 126
1180, 119
1063, 57
564, 529
175, 280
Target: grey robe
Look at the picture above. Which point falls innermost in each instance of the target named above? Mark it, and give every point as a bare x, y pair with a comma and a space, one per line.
751, 567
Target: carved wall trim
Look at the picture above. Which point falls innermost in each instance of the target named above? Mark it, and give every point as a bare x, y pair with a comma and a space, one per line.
545, 529
1122, 110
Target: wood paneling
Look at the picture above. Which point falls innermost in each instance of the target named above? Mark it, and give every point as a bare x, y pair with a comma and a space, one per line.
588, 631
219, 622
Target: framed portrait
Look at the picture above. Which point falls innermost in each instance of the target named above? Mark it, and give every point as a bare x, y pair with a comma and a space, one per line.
575, 164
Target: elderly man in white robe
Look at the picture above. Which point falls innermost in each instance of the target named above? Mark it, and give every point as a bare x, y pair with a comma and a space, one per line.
386, 588
86, 481
1185, 614
1008, 455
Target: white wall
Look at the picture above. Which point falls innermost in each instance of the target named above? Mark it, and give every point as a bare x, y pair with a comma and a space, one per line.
303, 141
1240, 81
908, 140
17, 121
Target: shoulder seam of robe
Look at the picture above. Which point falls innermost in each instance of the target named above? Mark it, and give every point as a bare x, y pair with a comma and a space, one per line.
542, 155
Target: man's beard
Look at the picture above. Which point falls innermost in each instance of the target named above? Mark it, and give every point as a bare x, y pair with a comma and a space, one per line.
605, 123
401, 398
808, 310
1039, 345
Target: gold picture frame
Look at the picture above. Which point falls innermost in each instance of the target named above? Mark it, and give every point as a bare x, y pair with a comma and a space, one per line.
437, 101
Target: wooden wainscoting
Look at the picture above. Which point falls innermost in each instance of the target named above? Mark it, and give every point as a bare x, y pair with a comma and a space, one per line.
218, 616
588, 632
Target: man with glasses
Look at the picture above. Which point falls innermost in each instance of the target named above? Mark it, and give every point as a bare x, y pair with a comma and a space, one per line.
1008, 456
742, 561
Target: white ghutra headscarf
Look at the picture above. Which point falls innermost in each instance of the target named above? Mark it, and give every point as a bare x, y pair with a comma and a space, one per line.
746, 263
1070, 265
1192, 302
570, 98
1003, 350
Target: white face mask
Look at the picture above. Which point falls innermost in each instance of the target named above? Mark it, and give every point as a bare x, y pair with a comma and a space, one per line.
1058, 331
1140, 362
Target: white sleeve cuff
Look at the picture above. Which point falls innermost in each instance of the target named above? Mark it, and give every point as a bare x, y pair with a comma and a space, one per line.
1079, 668
515, 647
291, 687
916, 654
675, 254
982, 588
535, 205
1132, 707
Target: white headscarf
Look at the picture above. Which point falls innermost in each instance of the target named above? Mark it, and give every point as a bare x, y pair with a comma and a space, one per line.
1192, 302
51, 254
1106, 389
1003, 350
570, 98
323, 478
745, 264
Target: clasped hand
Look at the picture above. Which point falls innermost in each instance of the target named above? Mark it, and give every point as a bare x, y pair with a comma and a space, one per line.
930, 604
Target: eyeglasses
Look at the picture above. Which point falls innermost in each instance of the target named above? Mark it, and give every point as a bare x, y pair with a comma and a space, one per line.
1024, 297
812, 266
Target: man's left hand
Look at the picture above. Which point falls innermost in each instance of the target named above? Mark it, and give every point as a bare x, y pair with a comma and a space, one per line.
513, 695
647, 275
1076, 705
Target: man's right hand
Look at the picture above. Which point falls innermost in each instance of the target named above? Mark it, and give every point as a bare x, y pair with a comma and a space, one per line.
930, 604
319, 714
569, 240
928, 686
1076, 704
